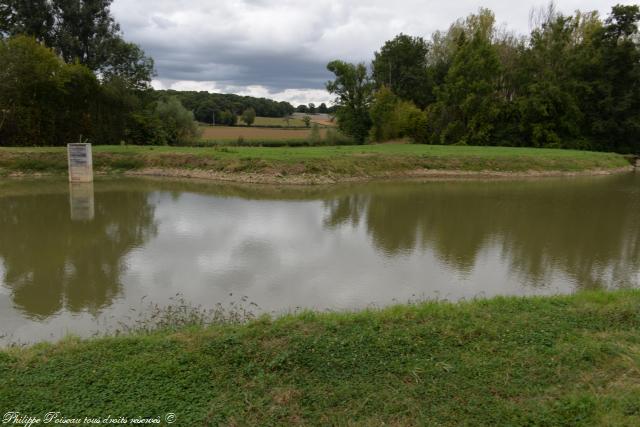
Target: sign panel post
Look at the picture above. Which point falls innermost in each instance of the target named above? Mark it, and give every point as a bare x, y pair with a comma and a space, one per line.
80, 162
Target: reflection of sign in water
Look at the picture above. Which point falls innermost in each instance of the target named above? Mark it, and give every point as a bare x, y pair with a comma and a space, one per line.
80, 162
81, 201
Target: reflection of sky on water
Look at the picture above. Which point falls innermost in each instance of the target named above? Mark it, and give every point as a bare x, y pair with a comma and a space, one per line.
281, 256
366, 245
3, 290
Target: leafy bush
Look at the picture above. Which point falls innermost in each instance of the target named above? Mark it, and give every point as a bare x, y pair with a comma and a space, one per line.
393, 118
168, 123
43, 101
145, 128
177, 122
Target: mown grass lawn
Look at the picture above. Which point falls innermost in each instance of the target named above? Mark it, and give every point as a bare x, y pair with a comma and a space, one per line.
552, 361
382, 149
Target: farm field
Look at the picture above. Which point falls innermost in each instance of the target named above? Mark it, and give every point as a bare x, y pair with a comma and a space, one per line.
232, 133
276, 122
321, 119
323, 122
280, 122
294, 122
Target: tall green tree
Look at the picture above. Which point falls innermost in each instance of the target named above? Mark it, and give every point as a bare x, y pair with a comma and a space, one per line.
29, 90
84, 31
401, 65
128, 63
382, 114
615, 122
468, 106
354, 90
549, 113
43, 101
34, 18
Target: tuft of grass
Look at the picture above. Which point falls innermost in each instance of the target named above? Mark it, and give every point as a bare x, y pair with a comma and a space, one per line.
547, 361
181, 314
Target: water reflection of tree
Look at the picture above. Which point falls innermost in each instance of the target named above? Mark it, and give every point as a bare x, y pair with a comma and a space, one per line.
51, 262
587, 229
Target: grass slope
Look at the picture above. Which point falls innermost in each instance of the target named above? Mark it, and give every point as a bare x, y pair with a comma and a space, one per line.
553, 361
340, 161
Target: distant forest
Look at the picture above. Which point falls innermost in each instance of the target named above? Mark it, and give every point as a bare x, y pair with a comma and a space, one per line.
223, 108
205, 105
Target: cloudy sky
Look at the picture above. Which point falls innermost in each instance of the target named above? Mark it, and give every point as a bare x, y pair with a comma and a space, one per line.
279, 48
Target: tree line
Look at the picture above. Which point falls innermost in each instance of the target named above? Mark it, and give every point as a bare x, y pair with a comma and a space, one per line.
573, 82
66, 74
312, 109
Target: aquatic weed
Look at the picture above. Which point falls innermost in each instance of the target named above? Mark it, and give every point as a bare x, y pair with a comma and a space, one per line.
180, 314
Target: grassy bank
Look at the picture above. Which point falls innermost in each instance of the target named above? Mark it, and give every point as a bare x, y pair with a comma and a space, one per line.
570, 360
331, 163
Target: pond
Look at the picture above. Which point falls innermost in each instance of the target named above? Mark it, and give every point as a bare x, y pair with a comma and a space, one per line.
80, 259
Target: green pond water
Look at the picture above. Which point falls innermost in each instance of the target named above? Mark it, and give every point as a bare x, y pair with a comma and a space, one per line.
84, 259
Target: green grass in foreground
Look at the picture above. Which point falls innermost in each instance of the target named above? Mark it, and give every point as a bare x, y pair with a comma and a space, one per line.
367, 160
554, 361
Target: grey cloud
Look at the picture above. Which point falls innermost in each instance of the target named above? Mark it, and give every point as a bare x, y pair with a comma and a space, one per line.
285, 44
276, 72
